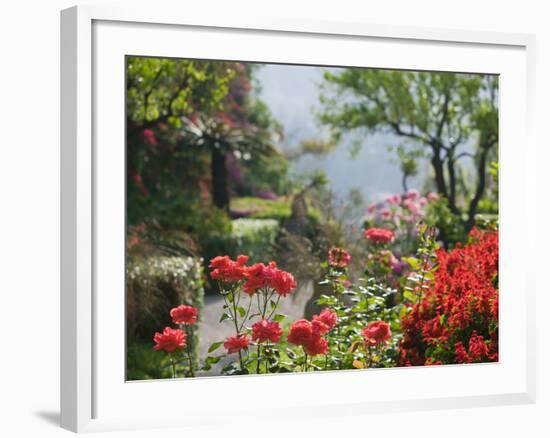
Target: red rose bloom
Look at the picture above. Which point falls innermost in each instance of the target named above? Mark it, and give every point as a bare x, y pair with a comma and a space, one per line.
234, 344
338, 257
327, 317
227, 270
300, 332
379, 235
266, 331
316, 345
169, 340
184, 314
377, 332
261, 276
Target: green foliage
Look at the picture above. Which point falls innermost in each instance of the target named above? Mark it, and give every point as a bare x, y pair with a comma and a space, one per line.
144, 363
154, 285
166, 89
439, 112
254, 237
258, 208
451, 229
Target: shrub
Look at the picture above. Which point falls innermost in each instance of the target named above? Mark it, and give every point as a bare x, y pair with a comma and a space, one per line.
154, 285
254, 237
455, 319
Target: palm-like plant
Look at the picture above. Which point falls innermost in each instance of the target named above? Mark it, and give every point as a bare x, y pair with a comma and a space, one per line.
219, 135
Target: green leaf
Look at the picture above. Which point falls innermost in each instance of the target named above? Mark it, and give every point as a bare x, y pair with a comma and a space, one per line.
225, 316
214, 346
241, 311
279, 317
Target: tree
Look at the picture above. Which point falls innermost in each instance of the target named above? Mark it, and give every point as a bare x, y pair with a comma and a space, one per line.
190, 104
440, 113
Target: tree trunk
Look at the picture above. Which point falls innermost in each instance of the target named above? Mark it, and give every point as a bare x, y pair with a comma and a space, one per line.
220, 189
480, 187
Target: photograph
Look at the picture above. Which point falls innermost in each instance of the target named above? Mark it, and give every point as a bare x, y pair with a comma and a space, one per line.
286, 218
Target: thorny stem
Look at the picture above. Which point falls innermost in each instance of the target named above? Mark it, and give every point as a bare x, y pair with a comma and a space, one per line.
174, 375
189, 356
274, 308
258, 361
236, 322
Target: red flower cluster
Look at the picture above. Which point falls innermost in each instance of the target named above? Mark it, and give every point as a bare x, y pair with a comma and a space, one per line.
325, 320
169, 340
234, 344
175, 339
184, 314
379, 235
265, 330
338, 257
457, 317
377, 332
227, 270
257, 276
261, 276
308, 333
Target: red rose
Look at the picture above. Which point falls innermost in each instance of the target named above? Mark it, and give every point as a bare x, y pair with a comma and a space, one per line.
377, 332
184, 314
169, 340
266, 331
316, 345
338, 257
300, 332
227, 270
379, 235
236, 343
327, 317
260, 276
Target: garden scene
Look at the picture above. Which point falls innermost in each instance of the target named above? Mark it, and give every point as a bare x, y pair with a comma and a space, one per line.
286, 218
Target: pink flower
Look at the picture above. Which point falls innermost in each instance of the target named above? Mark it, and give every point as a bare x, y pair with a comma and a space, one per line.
169, 340
385, 213
379, 235
432, 196
412, 194
394, 199
236, 343
149, 137
412, 206
184, 314
265, 330
376, 332
372, 207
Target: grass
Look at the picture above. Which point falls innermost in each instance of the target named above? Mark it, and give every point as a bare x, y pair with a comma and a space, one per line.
259, 208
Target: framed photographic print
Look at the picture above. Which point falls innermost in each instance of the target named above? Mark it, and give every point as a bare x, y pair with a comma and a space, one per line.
323, 209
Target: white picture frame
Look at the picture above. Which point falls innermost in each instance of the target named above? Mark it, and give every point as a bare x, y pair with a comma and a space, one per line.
93, 39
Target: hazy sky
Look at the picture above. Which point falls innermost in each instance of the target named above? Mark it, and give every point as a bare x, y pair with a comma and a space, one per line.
292, 93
